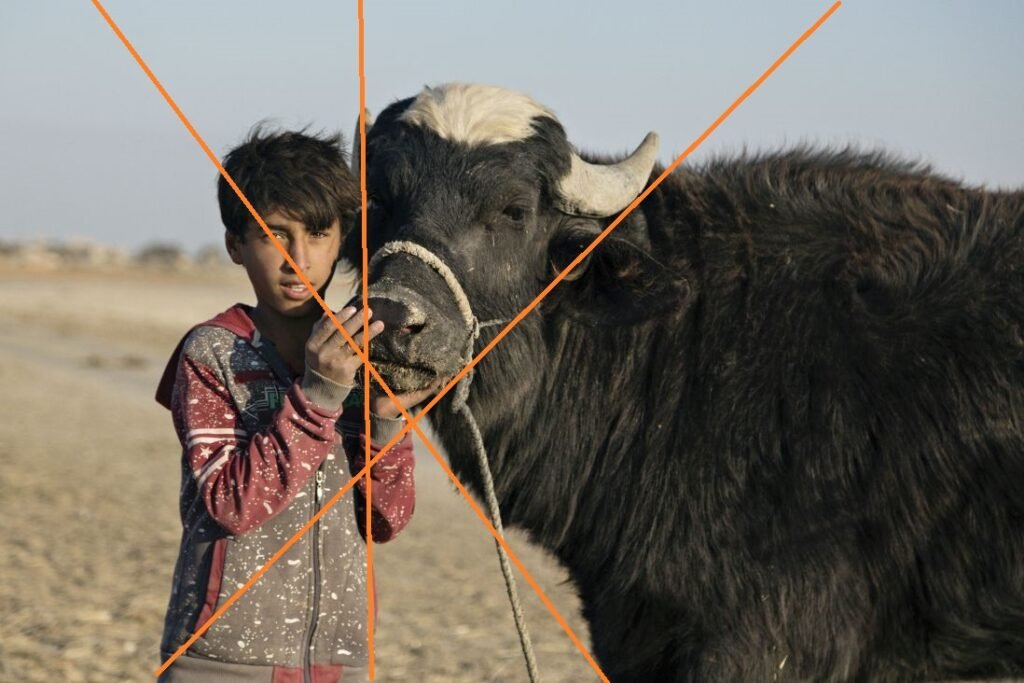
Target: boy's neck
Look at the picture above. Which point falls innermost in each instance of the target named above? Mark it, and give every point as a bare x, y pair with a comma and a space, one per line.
287, 334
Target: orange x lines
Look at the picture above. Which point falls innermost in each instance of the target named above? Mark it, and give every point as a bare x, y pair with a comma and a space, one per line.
369, 370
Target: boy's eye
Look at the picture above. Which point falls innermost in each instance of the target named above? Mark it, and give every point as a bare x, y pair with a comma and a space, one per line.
282, 237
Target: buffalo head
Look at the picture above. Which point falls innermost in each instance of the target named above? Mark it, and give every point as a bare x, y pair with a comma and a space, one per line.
485, 181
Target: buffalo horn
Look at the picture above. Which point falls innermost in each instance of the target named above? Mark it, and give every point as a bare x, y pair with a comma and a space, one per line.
599, 190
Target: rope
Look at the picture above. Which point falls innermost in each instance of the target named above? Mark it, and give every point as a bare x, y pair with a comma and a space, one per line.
460, 402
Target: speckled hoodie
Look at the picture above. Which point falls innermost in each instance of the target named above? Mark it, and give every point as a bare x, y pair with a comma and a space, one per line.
262, 452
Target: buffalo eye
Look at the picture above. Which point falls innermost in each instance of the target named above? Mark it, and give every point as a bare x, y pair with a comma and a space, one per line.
516, 213
373, 205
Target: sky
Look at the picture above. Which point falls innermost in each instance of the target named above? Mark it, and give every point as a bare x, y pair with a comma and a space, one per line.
90, 151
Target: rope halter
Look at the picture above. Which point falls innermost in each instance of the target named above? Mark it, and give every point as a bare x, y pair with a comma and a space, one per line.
460, 402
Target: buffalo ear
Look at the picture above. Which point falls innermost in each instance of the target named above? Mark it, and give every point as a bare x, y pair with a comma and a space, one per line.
619, 283
351, 245
357, 143
351, 249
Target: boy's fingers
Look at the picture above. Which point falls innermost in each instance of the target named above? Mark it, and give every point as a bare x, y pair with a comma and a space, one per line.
376, 328
324, 327
355, 322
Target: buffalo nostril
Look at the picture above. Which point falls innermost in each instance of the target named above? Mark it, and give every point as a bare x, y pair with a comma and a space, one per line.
399, 317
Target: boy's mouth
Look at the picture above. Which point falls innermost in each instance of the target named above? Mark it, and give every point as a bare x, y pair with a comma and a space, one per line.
295, 292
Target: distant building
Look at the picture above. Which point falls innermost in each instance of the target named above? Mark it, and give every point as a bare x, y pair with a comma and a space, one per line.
162, 255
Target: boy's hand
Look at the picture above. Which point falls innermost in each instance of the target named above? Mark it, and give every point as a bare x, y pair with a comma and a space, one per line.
383, 406
329, 354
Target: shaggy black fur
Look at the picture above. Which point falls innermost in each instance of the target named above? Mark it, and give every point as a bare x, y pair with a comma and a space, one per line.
776, 429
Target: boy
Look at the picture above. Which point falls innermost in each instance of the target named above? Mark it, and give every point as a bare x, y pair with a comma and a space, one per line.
256, 396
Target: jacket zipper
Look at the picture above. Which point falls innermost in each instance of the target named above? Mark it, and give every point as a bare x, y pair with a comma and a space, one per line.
307, 657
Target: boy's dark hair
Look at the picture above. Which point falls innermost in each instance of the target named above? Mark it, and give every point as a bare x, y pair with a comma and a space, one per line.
302, 175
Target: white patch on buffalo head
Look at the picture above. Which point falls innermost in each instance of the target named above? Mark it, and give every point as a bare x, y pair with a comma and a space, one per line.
475, 114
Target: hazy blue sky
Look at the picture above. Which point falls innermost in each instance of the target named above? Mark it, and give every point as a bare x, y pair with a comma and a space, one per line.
89, 149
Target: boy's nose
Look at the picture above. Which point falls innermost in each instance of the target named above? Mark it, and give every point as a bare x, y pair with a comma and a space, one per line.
300, 254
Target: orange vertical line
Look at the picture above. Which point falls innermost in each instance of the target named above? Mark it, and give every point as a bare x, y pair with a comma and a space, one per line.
370, 588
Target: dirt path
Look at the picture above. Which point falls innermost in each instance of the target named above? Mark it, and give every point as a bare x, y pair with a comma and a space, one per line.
88, 507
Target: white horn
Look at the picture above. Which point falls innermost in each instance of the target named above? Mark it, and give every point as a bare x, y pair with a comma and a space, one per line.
354, 160
600, 190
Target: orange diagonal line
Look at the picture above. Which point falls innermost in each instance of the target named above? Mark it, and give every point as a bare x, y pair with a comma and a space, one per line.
361, 352
412, 422
689, 150
561, 276
512, 556
255, 214
636, 202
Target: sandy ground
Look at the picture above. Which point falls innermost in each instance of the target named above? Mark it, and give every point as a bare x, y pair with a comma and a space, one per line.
88, 517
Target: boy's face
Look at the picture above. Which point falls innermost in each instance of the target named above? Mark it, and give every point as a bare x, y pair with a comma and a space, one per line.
278, 287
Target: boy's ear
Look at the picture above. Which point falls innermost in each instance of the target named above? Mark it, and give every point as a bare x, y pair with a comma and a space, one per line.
232, 243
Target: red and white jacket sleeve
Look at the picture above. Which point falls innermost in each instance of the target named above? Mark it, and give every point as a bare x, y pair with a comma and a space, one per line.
245, 479
392, 486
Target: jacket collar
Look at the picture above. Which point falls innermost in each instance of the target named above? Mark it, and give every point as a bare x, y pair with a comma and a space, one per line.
235, 319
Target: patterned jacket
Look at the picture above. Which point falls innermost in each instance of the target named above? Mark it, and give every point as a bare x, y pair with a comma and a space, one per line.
263, 451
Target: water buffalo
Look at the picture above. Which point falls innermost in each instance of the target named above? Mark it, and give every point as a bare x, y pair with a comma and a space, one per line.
773, 425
